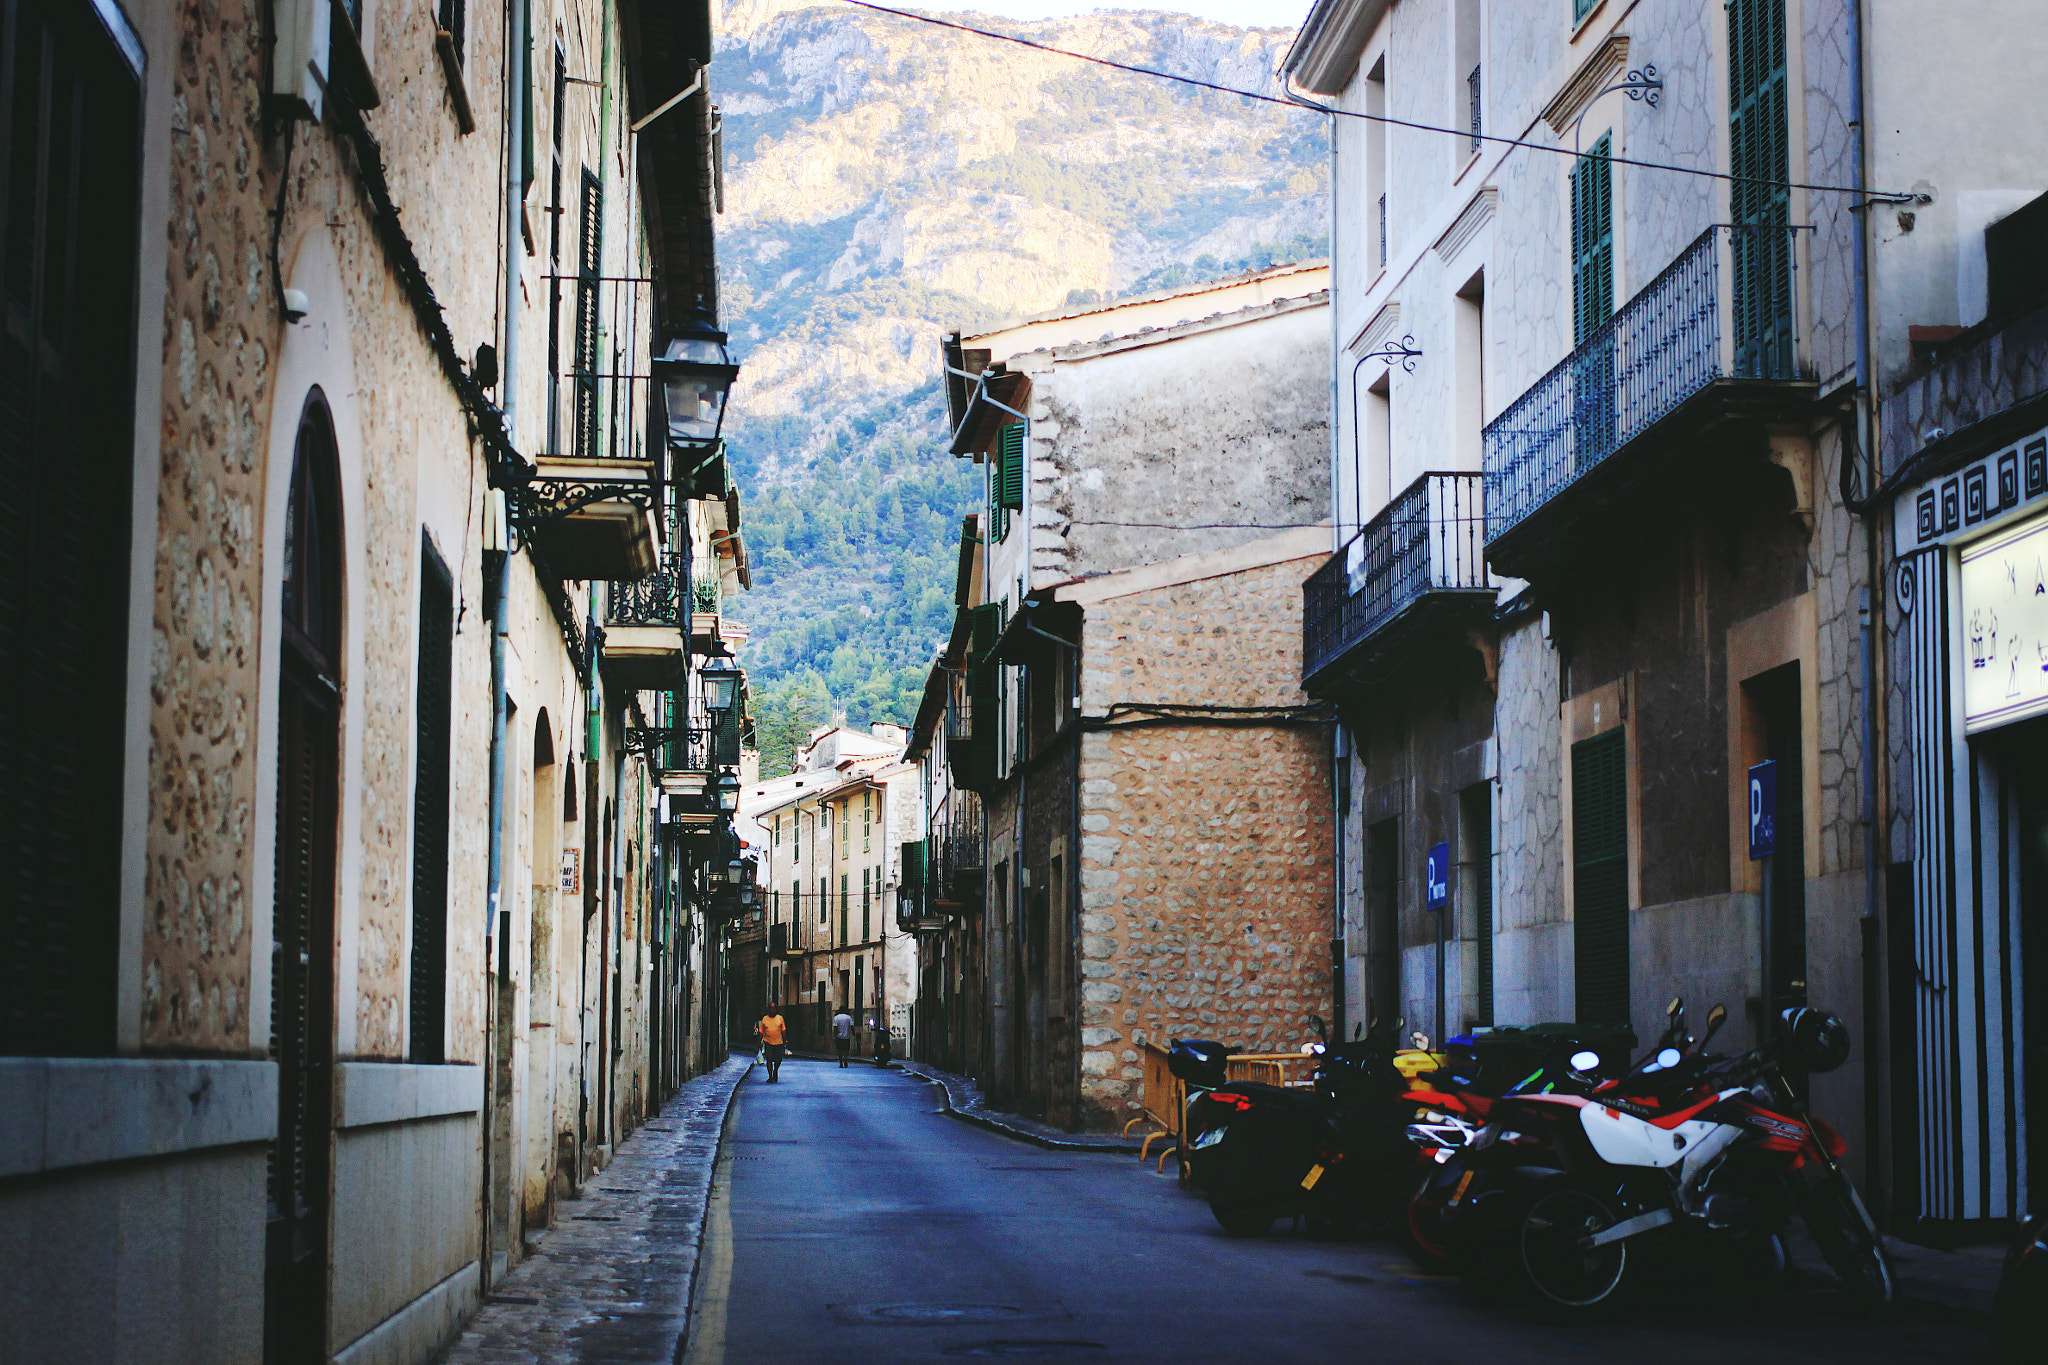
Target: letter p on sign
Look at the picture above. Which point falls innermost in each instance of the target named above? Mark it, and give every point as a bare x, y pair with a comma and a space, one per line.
1763, 809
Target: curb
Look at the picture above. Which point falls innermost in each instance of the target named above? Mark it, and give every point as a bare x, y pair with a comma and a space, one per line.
1010, 1130
704, 1213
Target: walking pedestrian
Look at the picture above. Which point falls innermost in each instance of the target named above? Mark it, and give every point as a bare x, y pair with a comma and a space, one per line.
774, 1035
842, 1034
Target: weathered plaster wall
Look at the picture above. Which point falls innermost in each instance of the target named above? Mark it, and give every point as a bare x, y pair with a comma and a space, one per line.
1532, 951
1206, 852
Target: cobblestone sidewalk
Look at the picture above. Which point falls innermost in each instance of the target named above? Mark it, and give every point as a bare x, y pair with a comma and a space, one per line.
610, 1282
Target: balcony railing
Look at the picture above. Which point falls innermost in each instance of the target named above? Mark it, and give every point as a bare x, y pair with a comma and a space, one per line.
656, 600
1429, 540
955, 857
675, 748
1661, 348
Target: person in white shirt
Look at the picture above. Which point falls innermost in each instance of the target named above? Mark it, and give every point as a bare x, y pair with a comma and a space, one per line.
842, 1033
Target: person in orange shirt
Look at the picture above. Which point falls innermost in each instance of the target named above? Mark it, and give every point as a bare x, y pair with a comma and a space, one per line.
774, 1035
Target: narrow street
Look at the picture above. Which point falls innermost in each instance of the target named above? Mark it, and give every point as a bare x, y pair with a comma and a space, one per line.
852, 1220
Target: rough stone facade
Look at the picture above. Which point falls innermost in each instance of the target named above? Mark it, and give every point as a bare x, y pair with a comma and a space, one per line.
1206, 850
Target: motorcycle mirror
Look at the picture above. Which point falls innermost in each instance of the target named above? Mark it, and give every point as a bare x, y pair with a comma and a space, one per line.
1675, 1008
1357, 1032
1716, 1017
1321, 1031
1584, 1061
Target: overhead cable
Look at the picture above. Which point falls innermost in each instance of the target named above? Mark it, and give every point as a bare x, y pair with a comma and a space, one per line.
1465, 133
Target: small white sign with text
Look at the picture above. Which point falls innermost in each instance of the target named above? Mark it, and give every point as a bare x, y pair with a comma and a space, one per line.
2005, 627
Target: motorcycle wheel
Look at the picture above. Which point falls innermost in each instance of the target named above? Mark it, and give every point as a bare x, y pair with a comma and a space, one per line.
1241, 1217
1835, 1218
1417, 1230
1564, 1276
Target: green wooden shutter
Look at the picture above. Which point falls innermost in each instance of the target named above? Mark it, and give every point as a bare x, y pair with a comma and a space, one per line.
1600, 878
984, 697
1592, 241
1760, 199
1010, 469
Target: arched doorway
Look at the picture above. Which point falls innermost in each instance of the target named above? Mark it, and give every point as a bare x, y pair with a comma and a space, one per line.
302, 913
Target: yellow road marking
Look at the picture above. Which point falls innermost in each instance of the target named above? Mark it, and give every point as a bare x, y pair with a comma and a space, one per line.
714, 1264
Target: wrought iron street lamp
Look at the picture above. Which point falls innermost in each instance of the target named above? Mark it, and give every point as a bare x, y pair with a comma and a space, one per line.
696, 372
729, 791
721, 684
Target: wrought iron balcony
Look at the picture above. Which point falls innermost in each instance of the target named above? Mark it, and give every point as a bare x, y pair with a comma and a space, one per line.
956, 856
644, 649
1716, 326
674, 748
1421, 558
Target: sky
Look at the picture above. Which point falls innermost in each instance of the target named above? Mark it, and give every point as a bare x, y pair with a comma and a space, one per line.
1246, 13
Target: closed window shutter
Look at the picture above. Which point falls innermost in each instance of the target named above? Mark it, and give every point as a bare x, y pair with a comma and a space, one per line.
68, 175
1010, 469
430, 851
589, 265
1592, 241
984, 697
1600, 878
1759, 197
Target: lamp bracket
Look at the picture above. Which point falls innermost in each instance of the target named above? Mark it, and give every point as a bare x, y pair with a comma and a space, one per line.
1643, 85
1402, 351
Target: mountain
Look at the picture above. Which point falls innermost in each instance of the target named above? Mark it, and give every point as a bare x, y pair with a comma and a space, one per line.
886, 181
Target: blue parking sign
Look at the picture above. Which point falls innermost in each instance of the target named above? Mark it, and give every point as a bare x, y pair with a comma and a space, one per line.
1763, 809
1437, 876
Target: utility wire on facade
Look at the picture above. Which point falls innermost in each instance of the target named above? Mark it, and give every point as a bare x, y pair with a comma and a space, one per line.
1464, 133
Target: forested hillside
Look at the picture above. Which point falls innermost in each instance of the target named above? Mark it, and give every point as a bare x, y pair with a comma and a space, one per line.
888, 181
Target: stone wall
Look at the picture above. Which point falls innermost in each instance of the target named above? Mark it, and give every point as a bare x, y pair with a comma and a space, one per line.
1206, 851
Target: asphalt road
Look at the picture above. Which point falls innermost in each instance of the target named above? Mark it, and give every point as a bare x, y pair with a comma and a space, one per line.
850, 1222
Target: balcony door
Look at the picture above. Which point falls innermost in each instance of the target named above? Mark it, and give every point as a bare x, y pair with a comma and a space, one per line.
1759, 198
1593, 424
302, 910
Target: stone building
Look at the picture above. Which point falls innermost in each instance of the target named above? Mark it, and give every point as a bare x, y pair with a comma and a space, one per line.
360, 921
1618, 289
831, 872
1152, 777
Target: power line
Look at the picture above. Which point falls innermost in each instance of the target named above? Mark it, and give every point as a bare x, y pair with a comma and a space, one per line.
1305, 107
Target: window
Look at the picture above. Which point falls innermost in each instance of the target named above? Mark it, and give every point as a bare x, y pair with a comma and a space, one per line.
69, 171
1005, 480
1592, 240
589, 266
866, 922
867, 822
1600, 878
1582, 8
824, 899
1469, 343
845, 900
1759, 199
1465, 66
1376, 156
427, 1007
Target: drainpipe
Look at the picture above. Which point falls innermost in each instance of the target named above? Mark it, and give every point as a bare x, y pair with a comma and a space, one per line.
1864, 423
495, 915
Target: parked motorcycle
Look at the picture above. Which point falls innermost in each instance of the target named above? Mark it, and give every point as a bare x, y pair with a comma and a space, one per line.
2019, 1312
1560, 1188
1337, 1154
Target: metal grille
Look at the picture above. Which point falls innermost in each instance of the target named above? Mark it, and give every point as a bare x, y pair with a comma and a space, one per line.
1664, 346
1472, 93
1600, 878
1429, 539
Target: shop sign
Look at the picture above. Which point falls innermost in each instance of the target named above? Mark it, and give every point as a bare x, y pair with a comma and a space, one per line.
1956, 503
2005, 626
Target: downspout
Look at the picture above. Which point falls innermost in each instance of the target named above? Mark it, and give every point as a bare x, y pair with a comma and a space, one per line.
495, 916
1340, 747
1865, 420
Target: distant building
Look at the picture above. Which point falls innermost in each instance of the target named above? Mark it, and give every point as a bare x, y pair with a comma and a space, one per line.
1122, 691
829, 870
